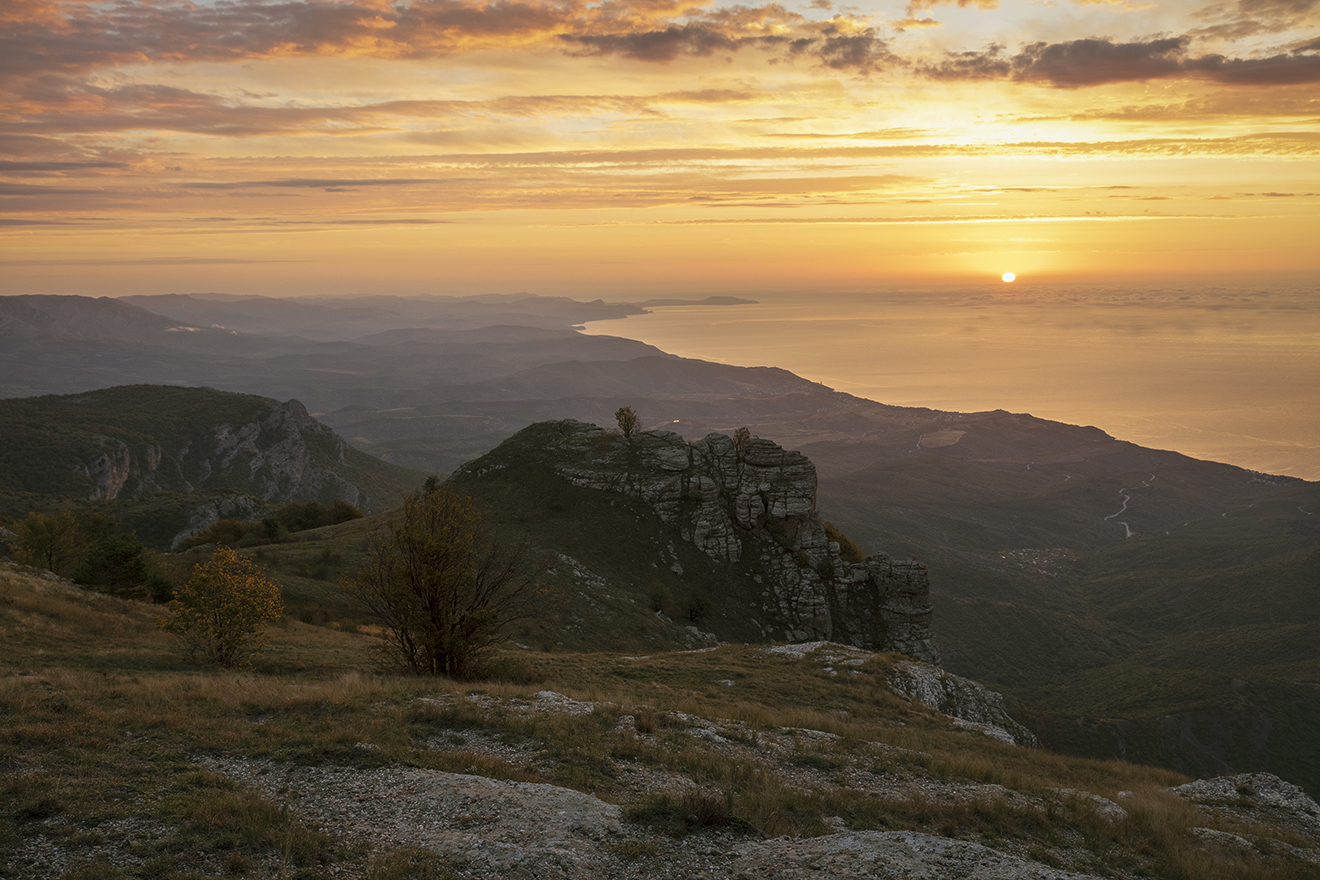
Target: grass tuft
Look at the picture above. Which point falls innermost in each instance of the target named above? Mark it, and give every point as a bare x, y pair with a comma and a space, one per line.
411, 863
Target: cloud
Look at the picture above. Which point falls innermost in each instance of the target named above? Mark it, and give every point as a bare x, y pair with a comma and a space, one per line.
862, 51
7, 221
32, 190
911, 22
837, 44
1236, 104
43, 169
67, 106
44, 38
916, 5
314, 183
1248, 18
1092, 62
1277, 70
662, 45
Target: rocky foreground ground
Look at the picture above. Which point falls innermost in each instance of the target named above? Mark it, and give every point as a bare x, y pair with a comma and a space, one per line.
492, 829
477, 827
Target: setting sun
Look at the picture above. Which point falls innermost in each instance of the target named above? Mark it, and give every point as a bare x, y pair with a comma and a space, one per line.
1008, 276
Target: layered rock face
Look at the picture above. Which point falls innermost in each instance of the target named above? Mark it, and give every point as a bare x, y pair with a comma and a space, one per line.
754, 503
275, 453
269, 458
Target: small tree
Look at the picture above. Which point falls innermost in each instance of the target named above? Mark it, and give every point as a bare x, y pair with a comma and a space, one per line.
440, 586
116, 566
628, 421
219, 611
740, 438
49, 542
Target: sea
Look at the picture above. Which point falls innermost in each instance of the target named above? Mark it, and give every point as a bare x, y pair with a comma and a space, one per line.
1229, 374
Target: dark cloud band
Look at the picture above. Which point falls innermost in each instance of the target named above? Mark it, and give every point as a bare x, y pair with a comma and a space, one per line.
1092, 62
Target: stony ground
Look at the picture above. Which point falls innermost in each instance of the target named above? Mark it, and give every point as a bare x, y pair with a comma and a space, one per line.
484, 828
494, 829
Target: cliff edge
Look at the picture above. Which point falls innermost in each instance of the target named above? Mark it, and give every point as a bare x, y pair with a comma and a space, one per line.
750, 507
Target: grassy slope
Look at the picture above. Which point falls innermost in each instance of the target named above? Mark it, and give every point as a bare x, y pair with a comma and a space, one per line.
105, 727
1183, 636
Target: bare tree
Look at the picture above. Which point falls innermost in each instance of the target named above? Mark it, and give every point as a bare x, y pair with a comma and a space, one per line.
441, 587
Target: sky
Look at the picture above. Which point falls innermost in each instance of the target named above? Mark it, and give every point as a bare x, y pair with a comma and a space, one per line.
632, 147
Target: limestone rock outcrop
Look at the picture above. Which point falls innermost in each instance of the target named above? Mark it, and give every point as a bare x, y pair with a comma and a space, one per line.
970, 703
270, 457
754, 503
277, 457
887, 855
1258, 797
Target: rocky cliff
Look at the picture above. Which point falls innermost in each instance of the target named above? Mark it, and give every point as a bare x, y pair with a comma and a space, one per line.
242, 451
270, 457
751, 505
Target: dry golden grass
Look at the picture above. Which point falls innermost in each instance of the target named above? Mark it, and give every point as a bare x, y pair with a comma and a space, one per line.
105, 723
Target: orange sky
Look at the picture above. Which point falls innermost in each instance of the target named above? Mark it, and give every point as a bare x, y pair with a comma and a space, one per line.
446, 146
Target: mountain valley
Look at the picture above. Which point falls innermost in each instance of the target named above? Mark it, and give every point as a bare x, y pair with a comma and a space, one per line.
1130, 602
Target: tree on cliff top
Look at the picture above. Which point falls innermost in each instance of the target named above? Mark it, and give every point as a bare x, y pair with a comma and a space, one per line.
441, 587
628, 421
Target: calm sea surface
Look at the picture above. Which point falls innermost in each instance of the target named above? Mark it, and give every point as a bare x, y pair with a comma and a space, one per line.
1230, 375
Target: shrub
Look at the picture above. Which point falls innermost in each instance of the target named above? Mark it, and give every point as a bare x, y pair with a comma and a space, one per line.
219, 611
60, 541
410, 863
679, 815
697, 606
848, 548
293, 517
115, 566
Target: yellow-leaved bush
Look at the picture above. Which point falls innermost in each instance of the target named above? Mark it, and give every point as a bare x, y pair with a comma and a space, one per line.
218, 613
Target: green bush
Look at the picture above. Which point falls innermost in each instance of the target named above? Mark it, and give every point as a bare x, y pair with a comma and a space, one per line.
294, 517
115, 566
848, 549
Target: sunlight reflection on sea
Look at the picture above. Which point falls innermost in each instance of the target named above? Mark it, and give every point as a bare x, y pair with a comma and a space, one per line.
1224, 374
